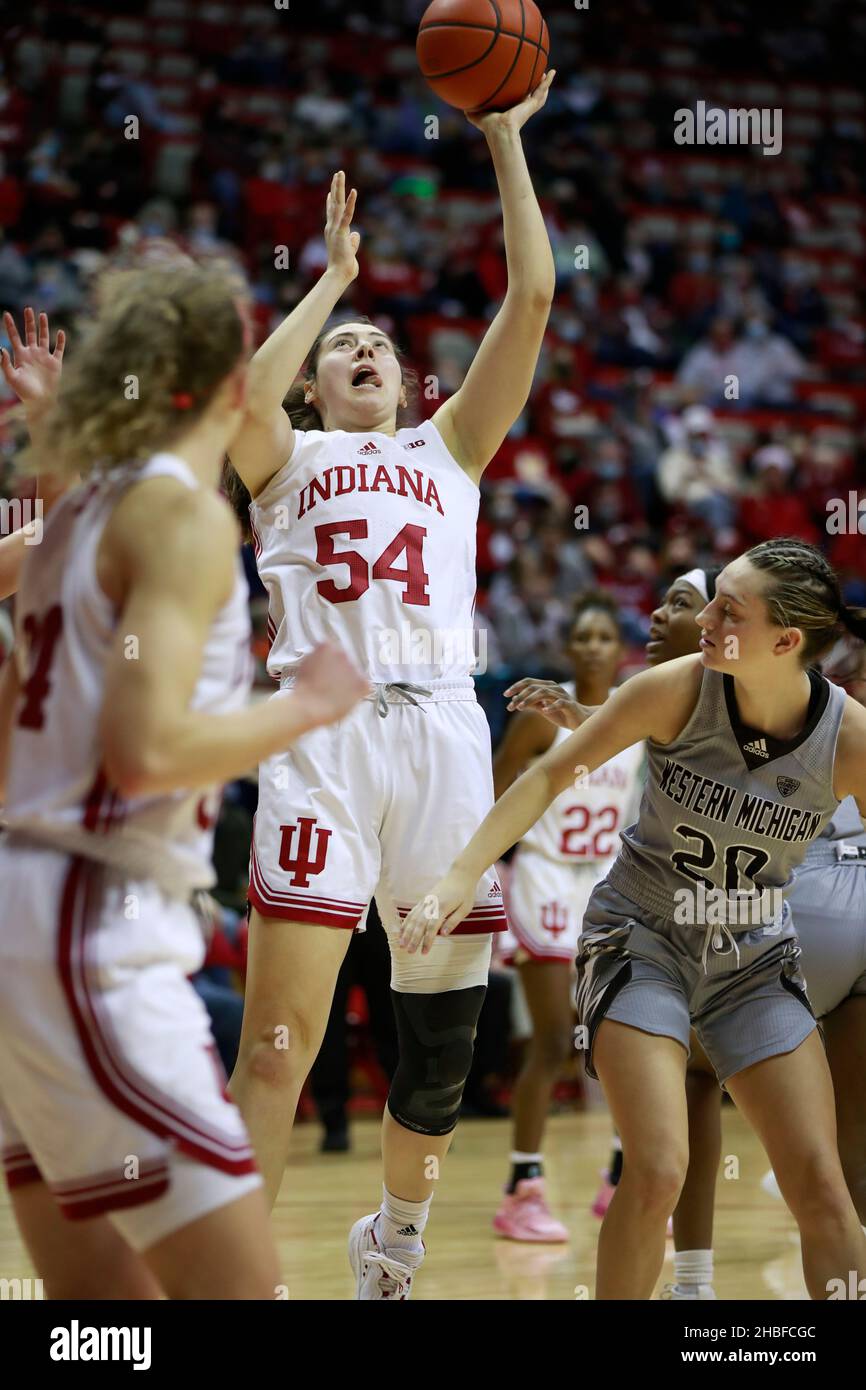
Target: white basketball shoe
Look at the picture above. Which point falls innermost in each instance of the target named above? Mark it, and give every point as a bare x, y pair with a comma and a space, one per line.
380, 1273
704, 1292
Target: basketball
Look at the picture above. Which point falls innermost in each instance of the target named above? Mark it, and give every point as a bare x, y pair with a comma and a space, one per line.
483, 55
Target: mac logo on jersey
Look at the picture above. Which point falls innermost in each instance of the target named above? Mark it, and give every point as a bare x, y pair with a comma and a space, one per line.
787, 785
300, 865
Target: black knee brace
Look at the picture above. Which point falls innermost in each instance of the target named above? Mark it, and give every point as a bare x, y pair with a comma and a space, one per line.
436, 1034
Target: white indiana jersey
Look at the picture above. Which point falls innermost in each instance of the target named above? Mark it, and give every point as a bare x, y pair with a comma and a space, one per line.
368, 541
582, 825
57, 791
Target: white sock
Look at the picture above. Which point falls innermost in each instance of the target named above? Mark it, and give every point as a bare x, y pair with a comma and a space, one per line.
400, 1223
518, 1157
693, 1267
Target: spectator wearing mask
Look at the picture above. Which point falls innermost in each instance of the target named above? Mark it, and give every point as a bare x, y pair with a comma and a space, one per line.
706, 367
769, 366
697, 473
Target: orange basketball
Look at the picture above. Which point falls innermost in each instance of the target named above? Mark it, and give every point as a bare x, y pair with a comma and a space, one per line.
483, 55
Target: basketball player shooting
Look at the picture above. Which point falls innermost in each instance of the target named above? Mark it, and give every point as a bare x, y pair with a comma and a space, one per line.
365, 530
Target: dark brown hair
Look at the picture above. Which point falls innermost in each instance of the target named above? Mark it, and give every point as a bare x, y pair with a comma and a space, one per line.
307, 417
596, 601
803, 591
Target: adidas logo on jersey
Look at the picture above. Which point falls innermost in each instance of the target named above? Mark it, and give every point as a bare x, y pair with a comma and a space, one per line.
495, 892
407, 1231
369, 448
758, 747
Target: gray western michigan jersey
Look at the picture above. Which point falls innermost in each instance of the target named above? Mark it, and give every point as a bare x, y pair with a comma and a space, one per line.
729, 807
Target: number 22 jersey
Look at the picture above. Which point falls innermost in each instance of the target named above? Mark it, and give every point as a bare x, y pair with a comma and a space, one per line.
368, 540
582, 825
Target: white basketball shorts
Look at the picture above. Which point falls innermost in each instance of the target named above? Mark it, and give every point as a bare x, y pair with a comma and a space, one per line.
545, 901
375, 806
111, 1090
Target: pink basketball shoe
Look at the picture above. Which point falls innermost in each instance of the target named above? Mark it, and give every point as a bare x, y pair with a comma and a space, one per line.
603, 1197
525, 1215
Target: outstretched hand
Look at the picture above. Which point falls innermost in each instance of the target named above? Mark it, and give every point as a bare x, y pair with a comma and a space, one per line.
492, 121
437, 914
547, 698
33, 370
342, 243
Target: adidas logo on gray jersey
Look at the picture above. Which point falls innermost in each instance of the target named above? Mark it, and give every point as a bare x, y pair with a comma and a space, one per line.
758, 747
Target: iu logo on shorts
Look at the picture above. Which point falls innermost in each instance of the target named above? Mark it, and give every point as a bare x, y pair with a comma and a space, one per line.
301, 865
554, 919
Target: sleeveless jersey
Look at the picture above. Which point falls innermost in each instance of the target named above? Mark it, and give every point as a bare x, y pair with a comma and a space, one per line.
57, 792
582, 825
726, 810
369, 541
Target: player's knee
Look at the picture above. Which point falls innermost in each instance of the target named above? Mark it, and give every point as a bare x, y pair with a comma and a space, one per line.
279, 1056
552, 1047
437, 1034
656, 1180
817, 1195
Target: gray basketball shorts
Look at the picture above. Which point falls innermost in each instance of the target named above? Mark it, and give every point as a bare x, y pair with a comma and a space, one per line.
828, 901
649, 972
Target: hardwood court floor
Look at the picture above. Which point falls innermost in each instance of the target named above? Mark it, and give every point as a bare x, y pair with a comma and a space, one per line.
757, 1249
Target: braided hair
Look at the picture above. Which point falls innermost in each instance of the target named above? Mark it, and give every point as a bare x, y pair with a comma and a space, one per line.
803, 591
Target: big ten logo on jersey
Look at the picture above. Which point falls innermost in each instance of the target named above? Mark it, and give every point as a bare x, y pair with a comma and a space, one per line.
301, 864
554, 919
589, 832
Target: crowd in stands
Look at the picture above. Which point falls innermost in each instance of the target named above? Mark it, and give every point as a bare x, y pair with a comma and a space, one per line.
703, 383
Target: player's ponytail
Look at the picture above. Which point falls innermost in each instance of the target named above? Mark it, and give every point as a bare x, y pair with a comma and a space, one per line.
803, 591
163, 342
854, 621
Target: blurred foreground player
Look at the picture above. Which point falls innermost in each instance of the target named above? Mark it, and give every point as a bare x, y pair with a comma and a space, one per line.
131, 1173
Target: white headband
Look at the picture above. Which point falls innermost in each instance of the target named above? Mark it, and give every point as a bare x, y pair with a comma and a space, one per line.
698, 580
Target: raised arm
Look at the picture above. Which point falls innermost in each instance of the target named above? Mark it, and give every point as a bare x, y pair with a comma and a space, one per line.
266, 439
654, 704
162, 544
479, 415
33, 372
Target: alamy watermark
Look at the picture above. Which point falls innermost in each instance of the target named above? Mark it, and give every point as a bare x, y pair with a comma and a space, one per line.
718, 907
713, 125
21, 1290
22, 514
465, 647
